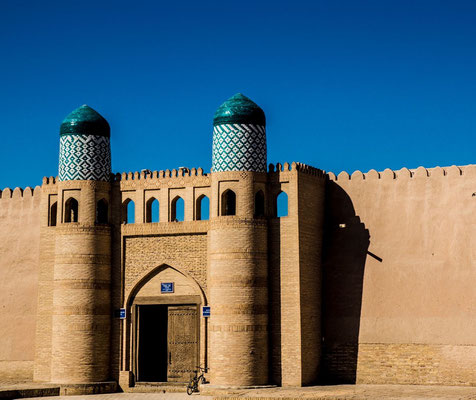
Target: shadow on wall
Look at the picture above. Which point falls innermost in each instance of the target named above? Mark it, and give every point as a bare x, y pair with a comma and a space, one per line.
346, 243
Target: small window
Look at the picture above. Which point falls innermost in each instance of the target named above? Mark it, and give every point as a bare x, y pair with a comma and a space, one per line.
53, 213
203, 208
71, 210
102, 212
128, 212
228, 200
152, 210
259, 204
178, 209
282, 205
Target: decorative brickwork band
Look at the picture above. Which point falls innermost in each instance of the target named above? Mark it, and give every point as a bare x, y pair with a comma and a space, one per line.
239, 147
84, 157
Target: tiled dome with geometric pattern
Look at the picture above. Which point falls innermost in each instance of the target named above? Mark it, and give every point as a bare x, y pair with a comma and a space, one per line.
85, 152
239, 136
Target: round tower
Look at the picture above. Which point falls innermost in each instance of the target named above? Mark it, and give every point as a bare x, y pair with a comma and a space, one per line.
82, 269
238, 269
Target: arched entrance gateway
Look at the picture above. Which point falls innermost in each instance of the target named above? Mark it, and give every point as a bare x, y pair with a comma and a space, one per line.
164, 326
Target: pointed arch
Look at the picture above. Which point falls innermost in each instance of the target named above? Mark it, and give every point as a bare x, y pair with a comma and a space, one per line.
71, 209
281, 204
203, 208
228, 202
177, 209
53, 214
102, 212
130, 350
152, 210
128, 212
142, 281
259, 204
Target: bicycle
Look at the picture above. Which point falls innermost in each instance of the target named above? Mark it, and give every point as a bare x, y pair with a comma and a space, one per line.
196, 380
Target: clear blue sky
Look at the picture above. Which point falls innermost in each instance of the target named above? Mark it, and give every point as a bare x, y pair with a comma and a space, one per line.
345, 85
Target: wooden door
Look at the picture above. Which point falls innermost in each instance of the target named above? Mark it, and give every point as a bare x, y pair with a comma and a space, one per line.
182, 337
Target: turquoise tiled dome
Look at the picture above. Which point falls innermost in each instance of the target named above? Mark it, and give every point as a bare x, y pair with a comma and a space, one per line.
239, 136
85, 152
85, 121
239, 109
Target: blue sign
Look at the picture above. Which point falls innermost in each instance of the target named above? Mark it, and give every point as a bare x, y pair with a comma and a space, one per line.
205, 311
120, 313
166, 287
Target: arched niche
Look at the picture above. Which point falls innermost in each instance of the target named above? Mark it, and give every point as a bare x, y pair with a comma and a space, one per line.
259, 204
202, 208
177, 210
128, 212
71, 210
53, 214
152, 210
281, 204
102, 213
228, 202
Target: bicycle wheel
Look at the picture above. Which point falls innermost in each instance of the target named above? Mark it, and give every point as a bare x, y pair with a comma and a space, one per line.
189, 389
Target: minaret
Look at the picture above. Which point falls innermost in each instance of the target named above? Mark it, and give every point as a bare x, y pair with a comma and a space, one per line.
82, 269
238, 269
239, 136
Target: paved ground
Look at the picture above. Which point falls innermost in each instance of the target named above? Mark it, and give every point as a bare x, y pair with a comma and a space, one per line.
363, 392
129, 396
338, 392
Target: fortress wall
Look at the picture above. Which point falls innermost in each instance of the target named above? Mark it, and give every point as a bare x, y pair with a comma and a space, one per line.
311, 218
43, 343
189, 184
295, 244
117, 276
284, 319
399, 276
131, 259
19, 246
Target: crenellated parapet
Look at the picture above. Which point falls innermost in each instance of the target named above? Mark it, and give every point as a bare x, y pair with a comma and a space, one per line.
296, 166
153, 175
50, 180
19, 193
180, 177
405, 173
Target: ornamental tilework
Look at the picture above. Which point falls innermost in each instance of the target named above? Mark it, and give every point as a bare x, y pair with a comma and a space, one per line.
84, 157
239, 147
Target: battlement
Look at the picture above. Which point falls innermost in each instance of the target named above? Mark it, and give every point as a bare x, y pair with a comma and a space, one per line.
18, 192
296, 166
51, 180
146, 174
387, 174
405, 173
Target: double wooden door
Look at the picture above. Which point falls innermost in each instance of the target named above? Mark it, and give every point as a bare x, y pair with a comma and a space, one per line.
167, 345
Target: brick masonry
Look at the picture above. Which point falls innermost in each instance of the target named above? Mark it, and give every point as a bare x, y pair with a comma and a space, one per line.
368, 279
420, 364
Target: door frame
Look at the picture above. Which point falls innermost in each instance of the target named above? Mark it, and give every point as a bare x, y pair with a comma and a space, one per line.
159, 301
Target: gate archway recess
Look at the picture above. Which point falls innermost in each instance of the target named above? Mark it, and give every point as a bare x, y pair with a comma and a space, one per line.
165, 338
